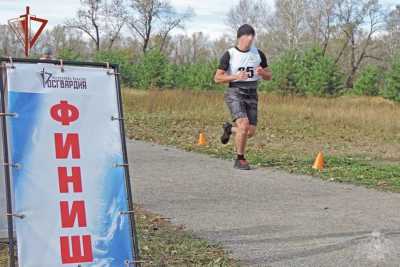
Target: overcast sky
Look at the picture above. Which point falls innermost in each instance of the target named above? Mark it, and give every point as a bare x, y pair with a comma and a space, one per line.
210, 14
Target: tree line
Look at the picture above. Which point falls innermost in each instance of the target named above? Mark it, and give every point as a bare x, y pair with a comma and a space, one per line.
314, 47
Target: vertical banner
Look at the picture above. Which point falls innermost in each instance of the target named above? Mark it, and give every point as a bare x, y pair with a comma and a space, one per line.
71, 201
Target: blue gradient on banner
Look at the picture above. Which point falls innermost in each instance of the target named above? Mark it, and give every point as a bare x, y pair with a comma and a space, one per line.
114, 247
26, 105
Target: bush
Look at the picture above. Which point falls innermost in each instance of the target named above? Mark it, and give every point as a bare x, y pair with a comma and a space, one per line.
68, 54
318, 74
121, 57
305, 73
284, 72
392, 81
150, 70
198, 76
369, 81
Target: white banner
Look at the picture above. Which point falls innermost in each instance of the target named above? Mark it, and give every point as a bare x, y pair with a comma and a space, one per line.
68, 182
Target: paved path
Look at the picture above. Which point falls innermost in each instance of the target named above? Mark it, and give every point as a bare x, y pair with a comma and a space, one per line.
267, 217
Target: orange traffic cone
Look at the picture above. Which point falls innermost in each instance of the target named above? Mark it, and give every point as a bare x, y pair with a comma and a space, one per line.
319, 162
202, 139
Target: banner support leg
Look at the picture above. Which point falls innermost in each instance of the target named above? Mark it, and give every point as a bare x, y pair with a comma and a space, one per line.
135, 244
11, 253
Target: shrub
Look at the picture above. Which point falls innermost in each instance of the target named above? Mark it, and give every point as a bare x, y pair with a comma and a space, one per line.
68, 54
198, 76
318, 74
121, 57
305, 73
284, 72
392, 81
150, 70
369, 81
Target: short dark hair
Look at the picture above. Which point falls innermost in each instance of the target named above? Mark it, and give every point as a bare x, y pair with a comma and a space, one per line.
245, 29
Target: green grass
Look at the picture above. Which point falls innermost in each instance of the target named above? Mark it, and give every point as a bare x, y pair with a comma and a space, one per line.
359, 136
164, 244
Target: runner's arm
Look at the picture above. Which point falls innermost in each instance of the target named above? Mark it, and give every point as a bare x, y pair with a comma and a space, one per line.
221, 76
263, 71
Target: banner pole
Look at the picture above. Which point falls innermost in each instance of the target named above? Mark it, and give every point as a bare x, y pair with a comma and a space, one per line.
135, 244
11, 254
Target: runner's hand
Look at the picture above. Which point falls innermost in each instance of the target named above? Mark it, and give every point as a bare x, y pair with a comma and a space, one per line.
259, 71
242, 76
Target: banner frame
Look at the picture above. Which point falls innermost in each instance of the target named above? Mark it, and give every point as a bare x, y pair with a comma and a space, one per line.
6, 164
3, 110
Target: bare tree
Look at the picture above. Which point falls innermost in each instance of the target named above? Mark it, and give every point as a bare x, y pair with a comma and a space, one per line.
321, 21
151, 18
251, 12
9, 44
116, 16
289, 23
99, 20
360, 21
393, 30
190, 49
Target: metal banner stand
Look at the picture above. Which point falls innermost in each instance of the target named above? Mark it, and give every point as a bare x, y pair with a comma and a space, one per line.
113, 70
6, 164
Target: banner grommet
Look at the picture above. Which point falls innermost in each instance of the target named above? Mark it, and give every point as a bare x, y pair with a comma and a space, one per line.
113, 118
126, 212
117, 165
11, 114
19, 216
12, 165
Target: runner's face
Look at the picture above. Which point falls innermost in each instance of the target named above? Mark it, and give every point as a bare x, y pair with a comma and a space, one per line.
246, 41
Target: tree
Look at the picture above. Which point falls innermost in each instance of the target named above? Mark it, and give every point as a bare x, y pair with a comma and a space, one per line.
247, 12
151, 18
360, 21
393, 30
116, 17
321, 21
9, 44
289, 23
392, 81
100, 19
369, 81
190, 49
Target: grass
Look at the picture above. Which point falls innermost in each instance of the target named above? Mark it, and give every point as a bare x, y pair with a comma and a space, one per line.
164, 244
360, 136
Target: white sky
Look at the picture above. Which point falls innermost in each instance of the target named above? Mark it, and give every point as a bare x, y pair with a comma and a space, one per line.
210, 14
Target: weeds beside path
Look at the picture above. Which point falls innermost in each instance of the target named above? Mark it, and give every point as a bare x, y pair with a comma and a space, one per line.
164, 244
360, 136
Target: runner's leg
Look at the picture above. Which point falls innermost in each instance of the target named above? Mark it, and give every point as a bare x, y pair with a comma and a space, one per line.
252, 131
242, 128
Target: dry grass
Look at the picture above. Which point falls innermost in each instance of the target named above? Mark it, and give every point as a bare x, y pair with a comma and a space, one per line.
164, 244
356, 133
368, 127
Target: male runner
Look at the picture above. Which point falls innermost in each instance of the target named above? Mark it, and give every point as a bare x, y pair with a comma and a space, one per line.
242, 67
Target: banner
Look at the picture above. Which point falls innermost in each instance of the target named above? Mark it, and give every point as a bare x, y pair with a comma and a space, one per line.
69, 188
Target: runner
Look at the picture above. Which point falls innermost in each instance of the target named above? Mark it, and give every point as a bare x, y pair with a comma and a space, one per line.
242, 67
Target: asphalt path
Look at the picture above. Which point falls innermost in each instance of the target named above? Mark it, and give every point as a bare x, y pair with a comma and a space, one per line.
267, 217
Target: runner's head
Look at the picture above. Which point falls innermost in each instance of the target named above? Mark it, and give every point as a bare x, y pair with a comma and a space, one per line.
246, 35
47, 53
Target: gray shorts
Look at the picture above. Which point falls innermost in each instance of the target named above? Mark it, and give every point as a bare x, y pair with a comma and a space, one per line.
242, 103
